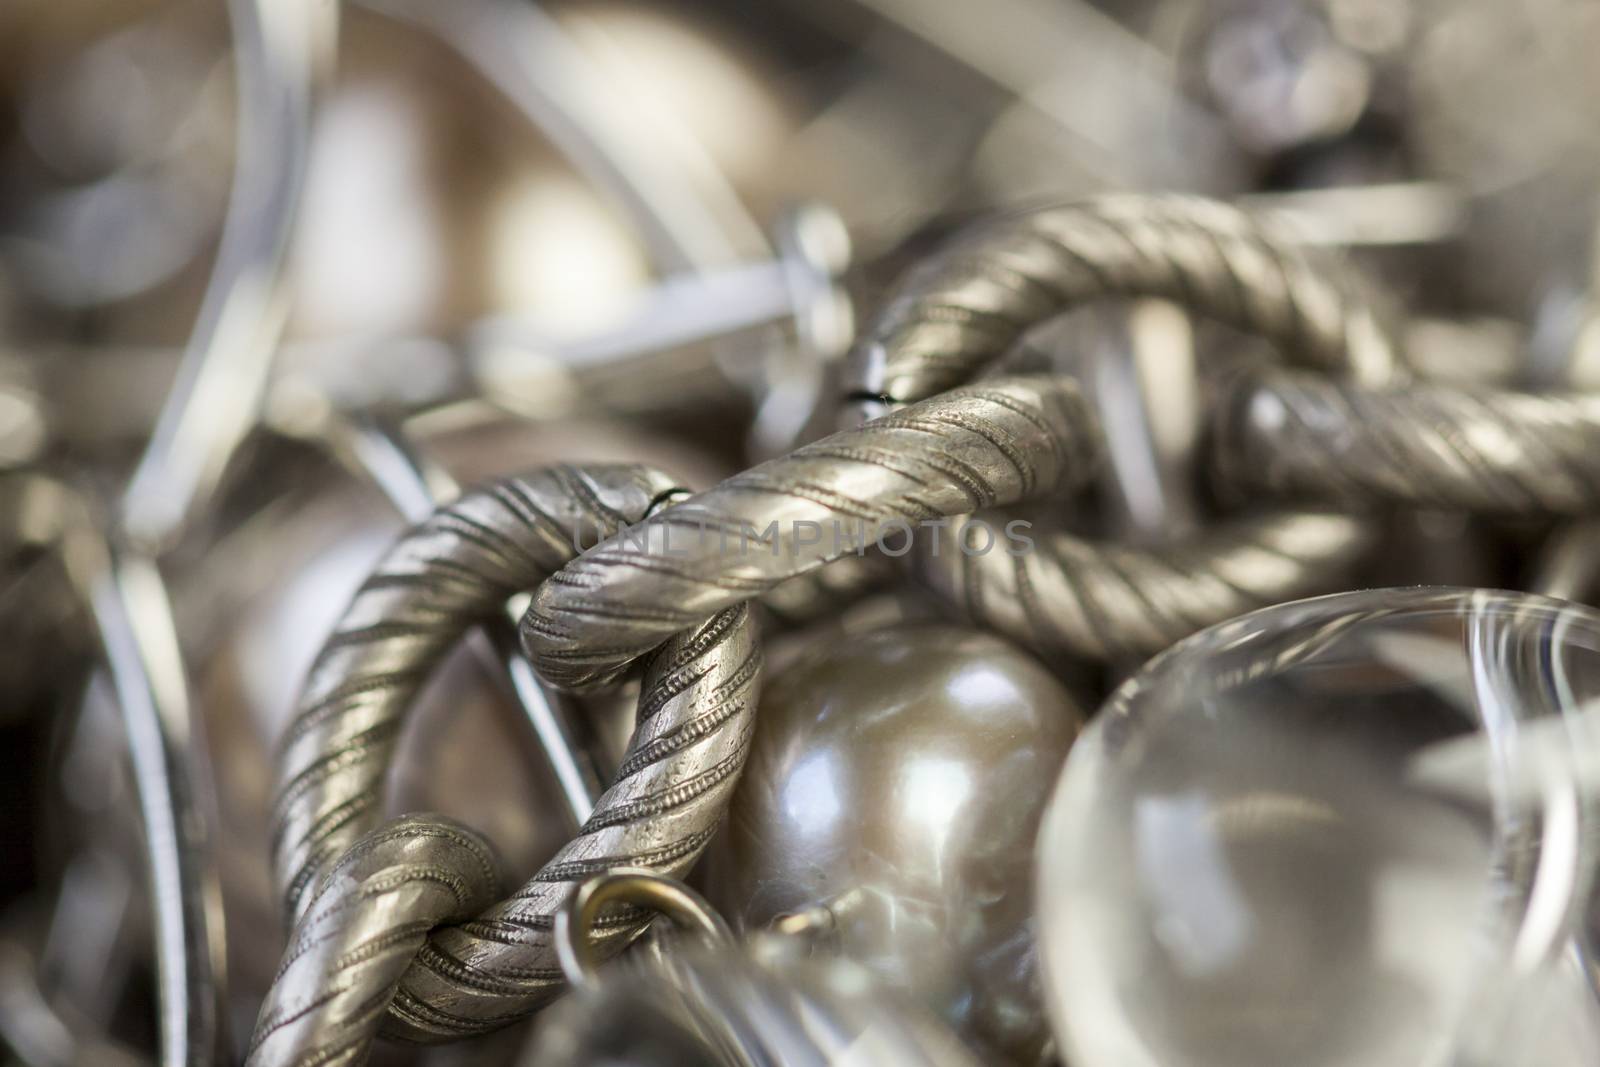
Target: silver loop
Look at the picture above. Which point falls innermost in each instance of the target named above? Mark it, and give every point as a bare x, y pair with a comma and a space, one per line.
626, 885
454, 569
459, 566
994, 444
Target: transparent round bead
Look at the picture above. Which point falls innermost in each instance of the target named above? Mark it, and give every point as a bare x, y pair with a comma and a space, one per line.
1356, 829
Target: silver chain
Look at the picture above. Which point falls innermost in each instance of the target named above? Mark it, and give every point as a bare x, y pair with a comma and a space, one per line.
395, 914
967, 449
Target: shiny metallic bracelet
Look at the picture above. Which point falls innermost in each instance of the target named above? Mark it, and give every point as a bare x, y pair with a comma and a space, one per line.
1433, 446
967, 449
964, 309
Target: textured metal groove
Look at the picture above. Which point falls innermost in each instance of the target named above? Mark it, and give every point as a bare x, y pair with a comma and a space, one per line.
971, 448
1429, 446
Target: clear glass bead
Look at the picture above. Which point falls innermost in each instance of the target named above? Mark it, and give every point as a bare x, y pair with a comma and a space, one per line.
1351, 830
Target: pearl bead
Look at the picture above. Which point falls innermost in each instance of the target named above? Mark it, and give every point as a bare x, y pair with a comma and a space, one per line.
898, 777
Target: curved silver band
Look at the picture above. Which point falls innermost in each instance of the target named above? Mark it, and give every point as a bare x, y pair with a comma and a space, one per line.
1103, 601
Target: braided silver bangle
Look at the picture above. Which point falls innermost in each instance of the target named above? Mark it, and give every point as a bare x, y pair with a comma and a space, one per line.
965, 308
968, 449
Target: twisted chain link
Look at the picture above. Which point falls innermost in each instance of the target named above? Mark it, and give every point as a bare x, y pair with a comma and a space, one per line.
971, 448
360, 908
965, 308
457, 567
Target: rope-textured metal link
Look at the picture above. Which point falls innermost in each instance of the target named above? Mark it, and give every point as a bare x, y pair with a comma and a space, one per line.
1430, 445
426, 868
999, 442
992, 445
455, 568
967, 306
696, 713
1108, 601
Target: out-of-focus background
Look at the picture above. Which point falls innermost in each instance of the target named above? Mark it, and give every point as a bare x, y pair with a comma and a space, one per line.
237, 236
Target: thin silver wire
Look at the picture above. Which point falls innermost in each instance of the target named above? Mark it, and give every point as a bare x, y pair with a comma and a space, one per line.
282, 50
1068, 595
128, 600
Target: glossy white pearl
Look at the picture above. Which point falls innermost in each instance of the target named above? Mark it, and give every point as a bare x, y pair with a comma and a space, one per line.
898, 777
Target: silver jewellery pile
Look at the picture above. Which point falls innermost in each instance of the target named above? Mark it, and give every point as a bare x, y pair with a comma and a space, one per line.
995, 613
